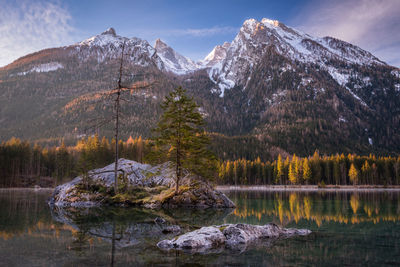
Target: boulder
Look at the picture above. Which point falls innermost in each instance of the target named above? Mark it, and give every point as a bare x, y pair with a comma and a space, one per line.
203, 238
229, 236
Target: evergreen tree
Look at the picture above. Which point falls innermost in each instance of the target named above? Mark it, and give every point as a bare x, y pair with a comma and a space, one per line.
180, 138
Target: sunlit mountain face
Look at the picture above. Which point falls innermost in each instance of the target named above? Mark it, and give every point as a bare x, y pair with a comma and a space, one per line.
285, 88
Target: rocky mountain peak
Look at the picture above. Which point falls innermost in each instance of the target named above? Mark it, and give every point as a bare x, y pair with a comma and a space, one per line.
159, 45
173, 61
271, 22
216, 55
109, 31
226, 45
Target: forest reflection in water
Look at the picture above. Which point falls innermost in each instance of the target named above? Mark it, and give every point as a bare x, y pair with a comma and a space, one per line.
348, 228
318, 207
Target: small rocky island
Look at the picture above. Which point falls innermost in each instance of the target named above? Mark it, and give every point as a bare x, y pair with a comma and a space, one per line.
235, 237
139, 185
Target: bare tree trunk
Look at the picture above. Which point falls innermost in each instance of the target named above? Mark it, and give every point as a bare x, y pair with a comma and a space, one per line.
117, 120
116, 143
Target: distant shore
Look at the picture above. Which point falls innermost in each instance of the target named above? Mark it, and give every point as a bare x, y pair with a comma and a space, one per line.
309, 188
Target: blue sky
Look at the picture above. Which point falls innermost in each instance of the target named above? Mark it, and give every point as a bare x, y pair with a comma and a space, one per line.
193, 28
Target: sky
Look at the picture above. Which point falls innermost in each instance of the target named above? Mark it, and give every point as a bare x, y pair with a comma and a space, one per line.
194, 27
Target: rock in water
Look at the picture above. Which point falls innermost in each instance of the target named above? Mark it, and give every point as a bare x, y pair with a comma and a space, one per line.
230, 236
203, 238
142, 185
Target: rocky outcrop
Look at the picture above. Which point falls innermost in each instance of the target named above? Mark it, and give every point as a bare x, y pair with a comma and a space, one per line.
201, 195
140, 185
229, 236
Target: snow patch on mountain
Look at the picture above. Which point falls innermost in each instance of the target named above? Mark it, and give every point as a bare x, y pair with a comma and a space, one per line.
342, 119
340, 78
46, 67
396, 73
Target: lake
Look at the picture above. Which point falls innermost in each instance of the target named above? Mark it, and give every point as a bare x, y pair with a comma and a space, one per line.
349, 228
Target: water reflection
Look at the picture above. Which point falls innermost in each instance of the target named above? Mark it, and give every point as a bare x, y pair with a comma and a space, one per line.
349, 229
128, 227
288, 207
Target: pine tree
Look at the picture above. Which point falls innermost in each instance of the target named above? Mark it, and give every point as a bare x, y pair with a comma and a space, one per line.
180, 138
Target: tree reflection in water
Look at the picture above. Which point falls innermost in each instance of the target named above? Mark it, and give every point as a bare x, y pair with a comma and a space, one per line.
318, 207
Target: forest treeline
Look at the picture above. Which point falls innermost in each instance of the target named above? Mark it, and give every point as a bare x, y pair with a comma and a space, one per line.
322, 170
22, 160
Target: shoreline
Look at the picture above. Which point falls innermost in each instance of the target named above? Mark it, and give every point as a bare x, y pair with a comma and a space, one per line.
308, 188
27, 188
277, 188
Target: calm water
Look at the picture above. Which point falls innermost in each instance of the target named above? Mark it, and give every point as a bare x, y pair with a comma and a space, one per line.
348, 229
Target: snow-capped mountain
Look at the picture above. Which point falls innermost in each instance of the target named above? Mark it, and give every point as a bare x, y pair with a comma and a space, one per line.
255, 37
108, 45
173, 61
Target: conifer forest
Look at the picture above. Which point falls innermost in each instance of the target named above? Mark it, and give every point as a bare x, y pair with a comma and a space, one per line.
22, 162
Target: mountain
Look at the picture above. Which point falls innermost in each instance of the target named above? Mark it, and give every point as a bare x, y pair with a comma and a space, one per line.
256, 37
217, 55
273, 88
174, 62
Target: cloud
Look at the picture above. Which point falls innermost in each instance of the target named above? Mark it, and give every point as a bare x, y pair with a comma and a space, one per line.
29, 26
202, 32
371, 24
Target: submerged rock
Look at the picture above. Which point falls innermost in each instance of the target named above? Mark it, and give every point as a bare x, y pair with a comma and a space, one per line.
229, 236
141, 185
